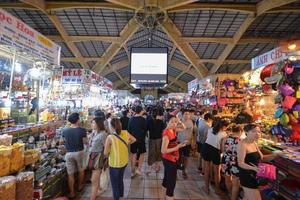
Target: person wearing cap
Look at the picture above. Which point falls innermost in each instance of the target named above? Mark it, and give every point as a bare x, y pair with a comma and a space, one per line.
137, 127
74, 140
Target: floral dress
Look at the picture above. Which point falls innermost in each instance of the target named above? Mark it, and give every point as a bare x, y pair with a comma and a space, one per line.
229, 159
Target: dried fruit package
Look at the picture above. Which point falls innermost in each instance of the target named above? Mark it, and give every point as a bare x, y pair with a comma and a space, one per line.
5, 155
25, 186
8, 188
17, 157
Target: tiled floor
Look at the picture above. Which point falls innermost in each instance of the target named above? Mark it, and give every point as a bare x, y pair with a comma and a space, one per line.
149, 187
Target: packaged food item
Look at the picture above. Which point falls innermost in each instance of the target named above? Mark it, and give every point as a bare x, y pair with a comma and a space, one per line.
5, 139
8, 188
17, 157
25, 188
5, 155
31, 156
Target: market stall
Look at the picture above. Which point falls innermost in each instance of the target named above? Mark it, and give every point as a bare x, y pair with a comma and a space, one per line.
29, 156
279, 73
175, 99
225, 92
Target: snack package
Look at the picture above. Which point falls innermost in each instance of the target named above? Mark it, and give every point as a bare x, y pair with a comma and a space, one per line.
6, 139
8, 188
31, 156
25, 186
5, 155
17, 157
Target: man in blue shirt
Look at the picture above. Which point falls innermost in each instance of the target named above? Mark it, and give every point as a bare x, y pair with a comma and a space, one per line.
75, 138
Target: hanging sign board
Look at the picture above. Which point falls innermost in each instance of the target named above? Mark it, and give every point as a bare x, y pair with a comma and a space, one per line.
193, 85
79, 76
108, 84
270, 57
72, 76
16, 33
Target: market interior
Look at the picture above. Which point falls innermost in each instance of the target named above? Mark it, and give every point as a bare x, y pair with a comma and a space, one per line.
207, 93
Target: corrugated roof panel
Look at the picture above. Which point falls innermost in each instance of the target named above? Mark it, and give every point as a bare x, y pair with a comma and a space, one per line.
94, 21
249, 51
279, 25
65, 51
112, 77
208, 23
92, 48
207, 50
35, 19
70, 64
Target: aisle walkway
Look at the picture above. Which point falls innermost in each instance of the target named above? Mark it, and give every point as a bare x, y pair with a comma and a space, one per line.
149, 187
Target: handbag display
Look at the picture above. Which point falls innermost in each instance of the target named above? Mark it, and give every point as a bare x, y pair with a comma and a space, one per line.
266, 171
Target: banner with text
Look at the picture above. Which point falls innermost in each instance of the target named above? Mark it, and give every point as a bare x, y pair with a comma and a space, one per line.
16, 33
270, 57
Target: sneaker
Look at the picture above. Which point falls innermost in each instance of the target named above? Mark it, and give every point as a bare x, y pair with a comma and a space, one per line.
138, 172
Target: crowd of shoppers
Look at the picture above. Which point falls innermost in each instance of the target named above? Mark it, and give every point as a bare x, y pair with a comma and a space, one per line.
224, 147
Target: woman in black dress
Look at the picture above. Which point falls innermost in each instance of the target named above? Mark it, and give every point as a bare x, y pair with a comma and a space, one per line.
249, 156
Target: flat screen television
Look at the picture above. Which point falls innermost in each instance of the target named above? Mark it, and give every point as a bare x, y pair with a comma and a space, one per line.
148, 67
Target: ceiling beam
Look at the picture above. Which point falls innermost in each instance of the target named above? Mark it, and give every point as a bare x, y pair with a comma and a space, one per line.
176, 78
172, 53
176, 3
233, 62
248, 21
117, 66
113, 49
237, 7
175, 89
70, 44
173, 32
56, 5
111, 39
127, 51
261, 8
74, 59
17, 5
125, 63
168, 90
176, 64
181, 82
40, 4
119, 82
116, 39
208, 39
132, 4
258, 40
227, 61
182, 67
119, 76
266, 5
285, 9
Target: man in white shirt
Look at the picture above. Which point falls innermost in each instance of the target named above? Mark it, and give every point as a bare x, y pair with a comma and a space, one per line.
186, 136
